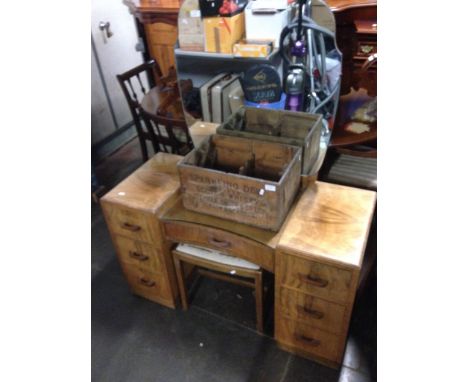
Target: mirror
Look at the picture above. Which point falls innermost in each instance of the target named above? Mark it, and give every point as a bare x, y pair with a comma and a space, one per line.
204, 74
264, 53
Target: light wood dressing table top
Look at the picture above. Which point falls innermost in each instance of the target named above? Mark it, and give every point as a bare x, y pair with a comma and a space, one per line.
148, 187
330, 222
327, 221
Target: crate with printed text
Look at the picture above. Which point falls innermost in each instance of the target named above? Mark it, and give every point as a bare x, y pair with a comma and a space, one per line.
243, 180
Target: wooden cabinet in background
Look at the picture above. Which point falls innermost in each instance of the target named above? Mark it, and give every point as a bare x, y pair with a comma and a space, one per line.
161, 39
157, 25
366, 46
353, 19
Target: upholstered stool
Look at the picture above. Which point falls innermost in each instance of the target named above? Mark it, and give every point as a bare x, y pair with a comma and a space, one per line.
354, 171
217, 265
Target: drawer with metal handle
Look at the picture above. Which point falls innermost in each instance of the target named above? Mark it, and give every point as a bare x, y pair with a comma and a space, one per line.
309, 339
366, 48
324, 281
222, 241
127, 222
138, 254
150, 285
312, 310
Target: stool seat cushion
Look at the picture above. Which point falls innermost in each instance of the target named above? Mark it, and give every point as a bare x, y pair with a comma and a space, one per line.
215, 256
354, 171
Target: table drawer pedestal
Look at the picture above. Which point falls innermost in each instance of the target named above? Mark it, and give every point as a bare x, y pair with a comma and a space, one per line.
132, 211
313, 304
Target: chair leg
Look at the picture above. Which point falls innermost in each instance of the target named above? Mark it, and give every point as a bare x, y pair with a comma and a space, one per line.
144, 150
259, 300
141, 138
152, 135
181, 282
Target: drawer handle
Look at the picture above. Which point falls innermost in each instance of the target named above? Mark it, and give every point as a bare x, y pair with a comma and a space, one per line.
148, 283
311, 312
314, 280
219, 243
130, 227
138, 256
366, 49
310, 341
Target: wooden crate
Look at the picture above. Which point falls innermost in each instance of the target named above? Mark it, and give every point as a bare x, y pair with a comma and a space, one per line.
287, 127
244, 180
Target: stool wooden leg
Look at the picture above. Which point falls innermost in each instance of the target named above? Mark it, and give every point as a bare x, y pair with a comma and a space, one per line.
259, 300
181, 282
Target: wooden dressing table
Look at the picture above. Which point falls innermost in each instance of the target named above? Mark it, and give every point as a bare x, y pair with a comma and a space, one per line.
316, 257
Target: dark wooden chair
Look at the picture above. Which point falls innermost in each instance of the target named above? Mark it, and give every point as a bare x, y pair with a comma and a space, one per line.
167, 134
134, 90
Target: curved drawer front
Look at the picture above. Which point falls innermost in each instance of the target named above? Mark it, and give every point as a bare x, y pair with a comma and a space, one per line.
321, 280
319, 313
222, 241
309, 339
138, 254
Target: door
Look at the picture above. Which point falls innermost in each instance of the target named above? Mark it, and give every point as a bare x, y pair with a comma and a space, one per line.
112, 52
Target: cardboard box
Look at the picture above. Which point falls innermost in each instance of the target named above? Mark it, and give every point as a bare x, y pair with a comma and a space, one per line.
226, 8
252, 49
266, 25
221, 33
192, 42
190, 27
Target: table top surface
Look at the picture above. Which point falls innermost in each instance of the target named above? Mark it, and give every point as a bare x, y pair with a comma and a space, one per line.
331, 222
341, 137
148, 187
328, 221
348, 106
